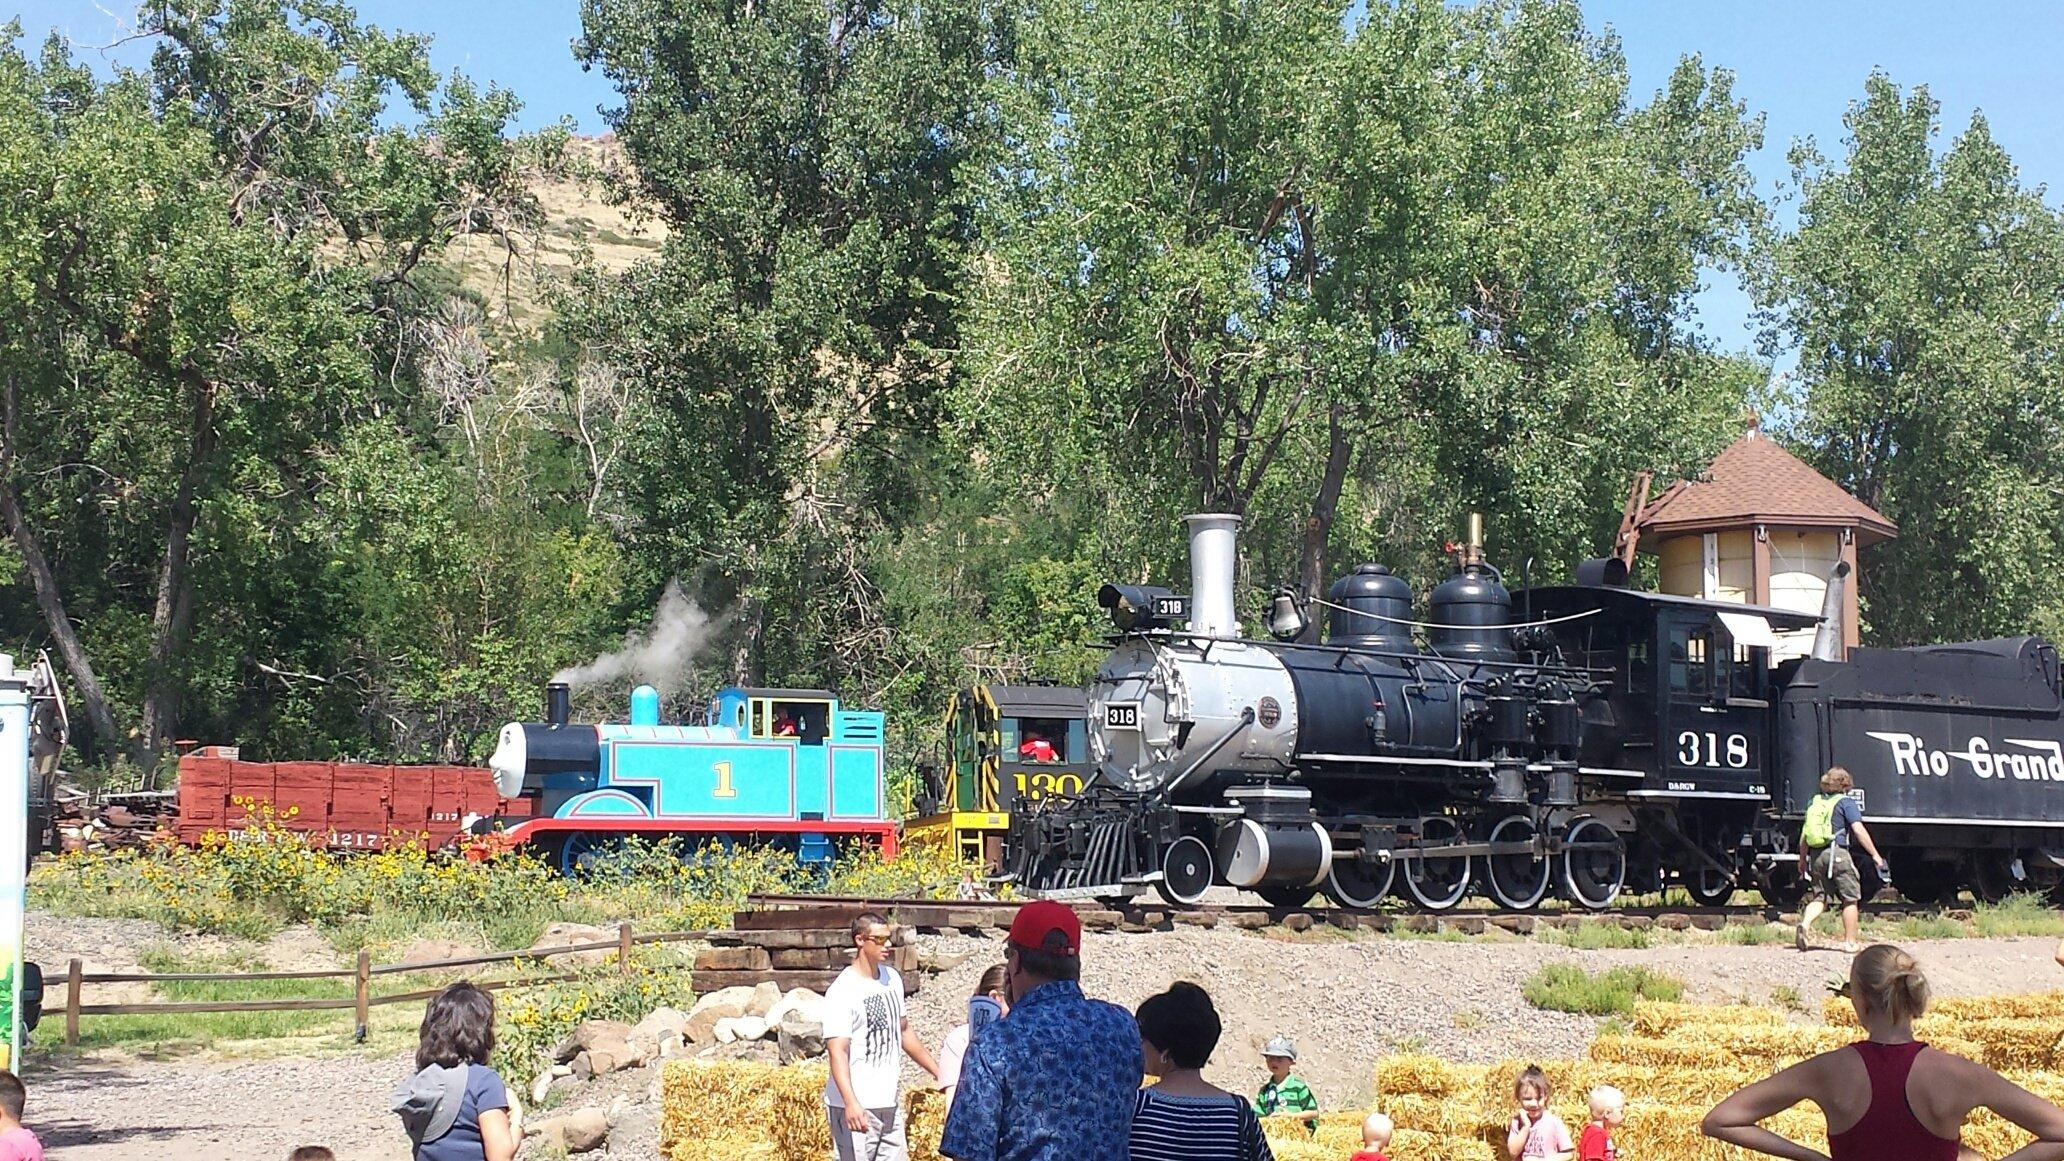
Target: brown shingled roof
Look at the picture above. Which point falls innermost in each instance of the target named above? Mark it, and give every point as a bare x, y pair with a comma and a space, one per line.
1755, 481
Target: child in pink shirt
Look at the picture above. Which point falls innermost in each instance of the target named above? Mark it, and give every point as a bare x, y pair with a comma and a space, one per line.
1534, 1133
16, 1143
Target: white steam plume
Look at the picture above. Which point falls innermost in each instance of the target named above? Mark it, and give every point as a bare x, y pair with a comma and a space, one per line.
659, 656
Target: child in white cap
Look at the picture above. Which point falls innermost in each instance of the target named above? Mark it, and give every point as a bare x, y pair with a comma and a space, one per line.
1285, 1093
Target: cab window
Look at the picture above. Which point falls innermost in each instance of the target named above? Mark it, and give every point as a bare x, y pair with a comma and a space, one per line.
1042, 740
1691, 661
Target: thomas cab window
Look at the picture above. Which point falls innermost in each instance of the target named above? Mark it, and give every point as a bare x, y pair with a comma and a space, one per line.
807, 722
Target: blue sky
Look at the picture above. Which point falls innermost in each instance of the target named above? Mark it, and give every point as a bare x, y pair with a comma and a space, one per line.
1799, 63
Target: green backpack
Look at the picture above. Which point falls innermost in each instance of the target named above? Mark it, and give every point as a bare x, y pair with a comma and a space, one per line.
1819, 830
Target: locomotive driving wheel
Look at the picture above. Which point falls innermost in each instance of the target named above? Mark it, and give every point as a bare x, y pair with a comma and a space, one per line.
1707, 886
1594, 864
1353, 884
1186, 872
1520, 879
1440, 882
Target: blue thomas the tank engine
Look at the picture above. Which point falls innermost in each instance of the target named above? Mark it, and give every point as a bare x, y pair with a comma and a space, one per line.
785, 767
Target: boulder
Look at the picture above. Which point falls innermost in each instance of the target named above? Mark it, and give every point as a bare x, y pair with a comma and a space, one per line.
433, 950
540, 1086
576, 1132
572, 935
659, 1024
586, 1035
722, 1004
727, 1029
751, 1027
606, 1056
931, 960
801, 1037
764, 997
803, 1000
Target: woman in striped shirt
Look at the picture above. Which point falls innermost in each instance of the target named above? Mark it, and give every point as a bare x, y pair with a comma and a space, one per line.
1181, 1118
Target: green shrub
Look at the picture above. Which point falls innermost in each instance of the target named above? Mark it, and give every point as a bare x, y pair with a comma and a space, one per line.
1563, 987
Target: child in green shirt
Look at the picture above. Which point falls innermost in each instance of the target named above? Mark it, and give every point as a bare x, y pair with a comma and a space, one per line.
1284, 1092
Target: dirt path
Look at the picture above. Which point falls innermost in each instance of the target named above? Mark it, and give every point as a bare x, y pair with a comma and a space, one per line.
1346, 1002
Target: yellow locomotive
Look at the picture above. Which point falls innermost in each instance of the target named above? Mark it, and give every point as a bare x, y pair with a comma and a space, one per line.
1003, 743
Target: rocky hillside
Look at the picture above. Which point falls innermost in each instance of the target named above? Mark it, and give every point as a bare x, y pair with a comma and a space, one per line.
579, 217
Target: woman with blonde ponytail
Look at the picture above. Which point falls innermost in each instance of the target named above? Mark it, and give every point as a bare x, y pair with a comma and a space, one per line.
1887, 1097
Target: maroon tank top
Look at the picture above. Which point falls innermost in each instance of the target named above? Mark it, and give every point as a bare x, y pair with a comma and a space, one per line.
1889, 1131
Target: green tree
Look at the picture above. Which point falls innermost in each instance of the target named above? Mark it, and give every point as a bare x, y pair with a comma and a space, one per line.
1924, 294
790, 341
204, 268
1349, 276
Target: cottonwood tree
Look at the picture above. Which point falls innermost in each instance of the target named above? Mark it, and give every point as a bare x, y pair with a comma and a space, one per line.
789, 341
202, 276
1273, 258
1925, 295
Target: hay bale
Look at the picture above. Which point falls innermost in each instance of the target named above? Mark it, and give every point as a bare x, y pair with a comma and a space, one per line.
2013, 1042
1413, 1145
924, 1121
1659, 1018
1416, 1074
725, 1148
780, 1107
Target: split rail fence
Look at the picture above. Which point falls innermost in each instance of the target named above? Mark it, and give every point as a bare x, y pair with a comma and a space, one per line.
362, 1000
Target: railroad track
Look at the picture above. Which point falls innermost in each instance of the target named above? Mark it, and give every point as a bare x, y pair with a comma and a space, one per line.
971, 914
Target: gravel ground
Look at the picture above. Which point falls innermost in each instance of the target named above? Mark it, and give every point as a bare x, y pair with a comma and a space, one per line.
1345, 1000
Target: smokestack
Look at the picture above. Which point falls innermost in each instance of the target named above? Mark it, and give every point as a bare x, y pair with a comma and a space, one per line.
1214, 544
558, 703
1827, 640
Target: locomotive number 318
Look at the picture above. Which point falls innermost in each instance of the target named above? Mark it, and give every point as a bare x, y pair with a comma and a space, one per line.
1710, 749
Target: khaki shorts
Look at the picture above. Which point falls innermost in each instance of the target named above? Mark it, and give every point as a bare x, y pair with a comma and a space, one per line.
1833, 878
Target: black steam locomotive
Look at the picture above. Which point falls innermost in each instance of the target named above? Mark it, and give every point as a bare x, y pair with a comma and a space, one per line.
1582, 739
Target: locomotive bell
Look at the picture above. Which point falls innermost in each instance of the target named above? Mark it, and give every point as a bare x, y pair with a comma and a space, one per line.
1286, 618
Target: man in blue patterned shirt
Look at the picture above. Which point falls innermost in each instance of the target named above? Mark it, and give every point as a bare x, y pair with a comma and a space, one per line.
1057, 1078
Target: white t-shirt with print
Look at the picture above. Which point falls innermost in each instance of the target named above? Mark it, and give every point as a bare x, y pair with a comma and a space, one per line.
869, 1013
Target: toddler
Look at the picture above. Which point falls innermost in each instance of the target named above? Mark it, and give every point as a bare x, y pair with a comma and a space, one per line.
1608, 1109
1284, 1093
1534, 1133
1376, 1130
16, 1143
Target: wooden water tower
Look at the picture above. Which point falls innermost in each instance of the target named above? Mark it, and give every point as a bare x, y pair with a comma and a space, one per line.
1762, 528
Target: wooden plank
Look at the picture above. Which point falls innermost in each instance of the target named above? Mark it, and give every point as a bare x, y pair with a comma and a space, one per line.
813, 919
216, 1006
74, 976
218, 977
787, 940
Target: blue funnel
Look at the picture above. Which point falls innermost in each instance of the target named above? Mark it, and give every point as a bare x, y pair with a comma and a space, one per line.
644, 706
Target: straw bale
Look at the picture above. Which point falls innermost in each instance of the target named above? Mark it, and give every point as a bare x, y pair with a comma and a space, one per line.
2030, 1005
1416, 1074
1413, 1145
1657, 1017
780, 1106
725, 1148
1659, 1053
1993, 1135
2014, 1041
924, 1121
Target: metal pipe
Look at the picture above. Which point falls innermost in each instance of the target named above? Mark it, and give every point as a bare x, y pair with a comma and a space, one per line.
1213, 556
1828, 644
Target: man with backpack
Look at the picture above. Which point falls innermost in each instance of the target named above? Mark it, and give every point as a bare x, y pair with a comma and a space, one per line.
1833, 820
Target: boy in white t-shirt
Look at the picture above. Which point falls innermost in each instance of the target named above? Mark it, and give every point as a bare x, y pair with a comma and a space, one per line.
866, 1034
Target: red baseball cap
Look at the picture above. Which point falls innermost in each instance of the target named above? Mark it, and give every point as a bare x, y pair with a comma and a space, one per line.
1040, 921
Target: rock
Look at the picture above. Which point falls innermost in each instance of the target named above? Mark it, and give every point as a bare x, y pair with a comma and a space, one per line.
606, 1056
751, 1027
432, 950
1297, 921
727, 1029
575, 1132
764, 997
932, 960
587, 1035
562, 1070
803, 1000
571, 935
657, 1025
722, 1004
540, 1086
800, 1037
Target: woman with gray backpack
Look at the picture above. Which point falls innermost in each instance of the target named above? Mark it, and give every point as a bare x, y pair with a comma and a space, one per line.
455, 1107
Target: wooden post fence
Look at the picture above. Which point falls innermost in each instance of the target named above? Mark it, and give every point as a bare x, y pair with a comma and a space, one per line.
361, 1000
362, 993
